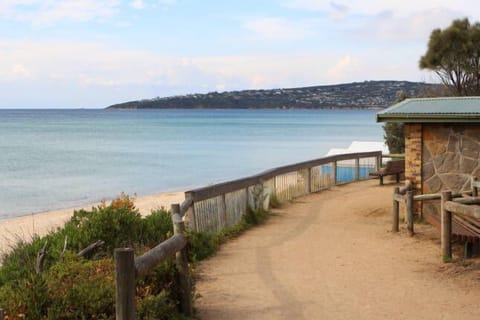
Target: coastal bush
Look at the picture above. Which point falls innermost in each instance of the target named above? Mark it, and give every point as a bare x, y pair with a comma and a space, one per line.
25, 298
156, 227
81, 289
118, 224
274, 202
73, 287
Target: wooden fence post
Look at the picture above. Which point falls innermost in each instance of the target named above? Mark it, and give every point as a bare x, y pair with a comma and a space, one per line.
446, 228
125, 284
379, 162
181, 259
193, 223
396, 211
409, 207
309, 180
334, 172
357, 169
224, 211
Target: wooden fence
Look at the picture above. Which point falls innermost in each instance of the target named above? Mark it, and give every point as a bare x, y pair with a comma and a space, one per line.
451, 203
127, 268
466, 207
212, 208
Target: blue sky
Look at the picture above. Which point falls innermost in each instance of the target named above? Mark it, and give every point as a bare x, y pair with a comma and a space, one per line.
93, 53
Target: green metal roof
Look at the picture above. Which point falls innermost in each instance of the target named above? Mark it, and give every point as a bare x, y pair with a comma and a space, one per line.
441, 110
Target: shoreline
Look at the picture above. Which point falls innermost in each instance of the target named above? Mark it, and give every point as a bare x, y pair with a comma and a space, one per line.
23, 228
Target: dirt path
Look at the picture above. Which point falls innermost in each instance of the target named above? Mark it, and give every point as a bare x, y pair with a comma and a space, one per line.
331, 256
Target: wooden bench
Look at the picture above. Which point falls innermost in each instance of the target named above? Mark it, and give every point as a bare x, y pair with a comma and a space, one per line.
394, 167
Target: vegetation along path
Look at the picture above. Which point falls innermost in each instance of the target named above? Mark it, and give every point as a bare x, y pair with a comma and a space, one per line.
331, 256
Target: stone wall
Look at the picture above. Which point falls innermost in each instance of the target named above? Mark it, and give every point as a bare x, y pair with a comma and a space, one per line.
450, 156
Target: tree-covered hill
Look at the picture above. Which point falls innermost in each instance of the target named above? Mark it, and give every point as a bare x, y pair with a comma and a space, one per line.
358, 95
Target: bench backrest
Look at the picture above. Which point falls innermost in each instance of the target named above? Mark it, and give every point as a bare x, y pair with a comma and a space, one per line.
395, 166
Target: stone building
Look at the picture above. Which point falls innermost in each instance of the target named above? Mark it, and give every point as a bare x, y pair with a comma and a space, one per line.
442, 143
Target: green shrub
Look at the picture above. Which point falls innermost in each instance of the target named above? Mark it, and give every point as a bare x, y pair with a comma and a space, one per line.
71, 287
81, 289
26, 298
156, 227
254, 217
159, 307
20, 262
274, 202
202, 245
118, 224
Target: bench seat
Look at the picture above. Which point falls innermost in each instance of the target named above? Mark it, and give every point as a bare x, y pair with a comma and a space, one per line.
394, 167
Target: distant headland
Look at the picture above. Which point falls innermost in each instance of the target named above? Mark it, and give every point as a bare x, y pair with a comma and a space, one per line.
356, 95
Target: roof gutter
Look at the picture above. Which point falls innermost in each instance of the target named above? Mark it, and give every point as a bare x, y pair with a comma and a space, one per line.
428, 118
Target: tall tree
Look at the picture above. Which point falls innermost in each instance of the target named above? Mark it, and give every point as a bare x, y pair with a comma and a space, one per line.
454, 55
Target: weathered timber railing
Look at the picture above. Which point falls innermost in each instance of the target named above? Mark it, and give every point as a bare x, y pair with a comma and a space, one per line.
215, 207
127, 268
212, 208
406, 196
467, 207
451, 203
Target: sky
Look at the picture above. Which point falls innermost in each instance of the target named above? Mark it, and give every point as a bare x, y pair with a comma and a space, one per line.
94, 53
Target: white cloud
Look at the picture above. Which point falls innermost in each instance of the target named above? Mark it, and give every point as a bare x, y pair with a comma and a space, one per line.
20, 71
40, 12
373, 7
341, 68
137, 4
275, 28
417, 26
91, 74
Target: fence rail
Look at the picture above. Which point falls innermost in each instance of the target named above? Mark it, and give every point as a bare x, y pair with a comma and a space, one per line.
458, 204
217, 206
128, 268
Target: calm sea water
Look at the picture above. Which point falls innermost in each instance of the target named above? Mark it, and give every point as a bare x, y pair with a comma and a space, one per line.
52, 159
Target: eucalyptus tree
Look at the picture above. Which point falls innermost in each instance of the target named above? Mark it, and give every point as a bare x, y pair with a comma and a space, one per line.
454, 55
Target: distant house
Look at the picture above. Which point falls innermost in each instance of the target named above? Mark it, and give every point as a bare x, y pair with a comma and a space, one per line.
442, 143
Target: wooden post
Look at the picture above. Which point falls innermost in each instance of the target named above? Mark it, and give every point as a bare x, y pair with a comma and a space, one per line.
193, 222
446, 228
125, 284
357, 169
181, 259
2, 315
474, 188
224, 211
309, 180
396, 211
334, 172
274, 191
379, 162
409, 208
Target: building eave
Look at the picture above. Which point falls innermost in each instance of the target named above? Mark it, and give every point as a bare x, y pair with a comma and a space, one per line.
428, 118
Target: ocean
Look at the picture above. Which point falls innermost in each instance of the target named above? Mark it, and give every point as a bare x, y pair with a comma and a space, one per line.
55, 159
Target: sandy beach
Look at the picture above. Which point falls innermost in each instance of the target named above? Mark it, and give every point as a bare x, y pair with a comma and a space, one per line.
25, 227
